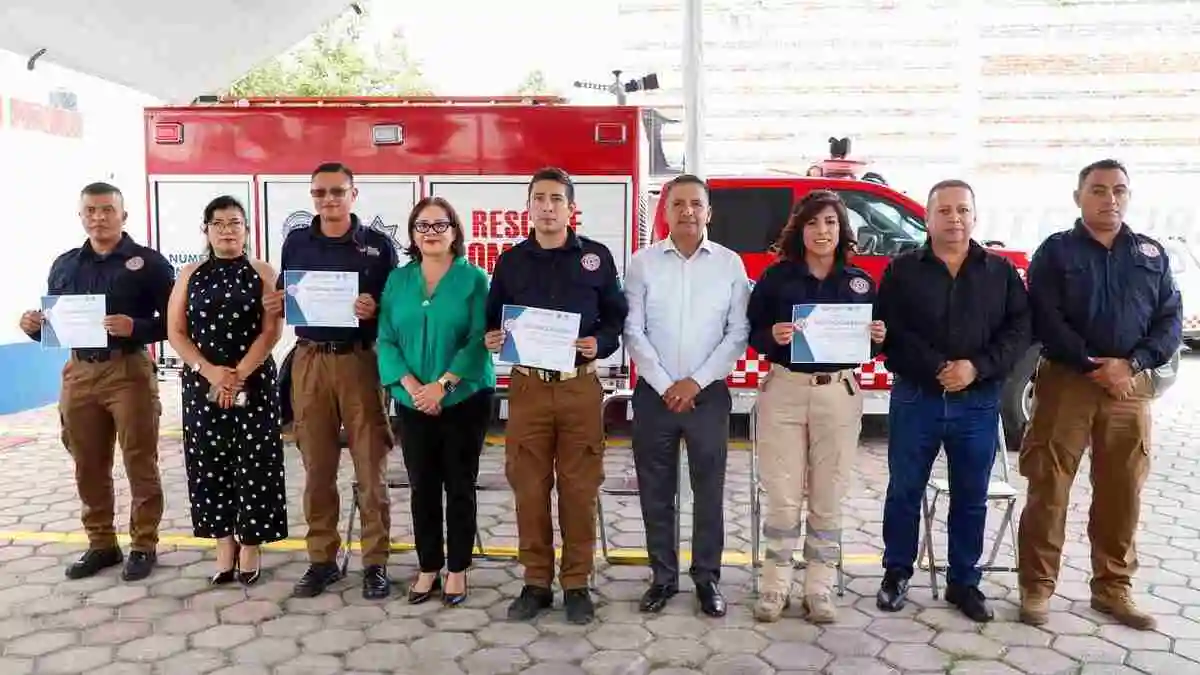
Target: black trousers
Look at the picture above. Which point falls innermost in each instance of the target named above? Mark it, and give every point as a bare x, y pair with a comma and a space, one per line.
442, 452
656, 435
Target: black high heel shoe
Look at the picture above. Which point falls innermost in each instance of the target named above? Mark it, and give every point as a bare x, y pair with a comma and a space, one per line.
455, 599
223, 577
417, 597
251, 577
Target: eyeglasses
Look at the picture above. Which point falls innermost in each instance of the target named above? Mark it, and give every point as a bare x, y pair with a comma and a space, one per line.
437, 226
336, 193
227, 225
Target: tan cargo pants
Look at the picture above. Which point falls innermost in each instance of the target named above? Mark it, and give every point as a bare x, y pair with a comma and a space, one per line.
330, 390
1070, 413
807, 433
103, 402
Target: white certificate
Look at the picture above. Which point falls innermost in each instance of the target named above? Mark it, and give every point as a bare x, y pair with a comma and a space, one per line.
539, 338
74, 321
833, 333
320, 298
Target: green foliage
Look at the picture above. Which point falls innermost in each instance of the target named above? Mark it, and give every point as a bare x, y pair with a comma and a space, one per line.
535, 84
335, 62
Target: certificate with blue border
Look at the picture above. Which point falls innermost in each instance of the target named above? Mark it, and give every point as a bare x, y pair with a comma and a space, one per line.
539, 338
74, 321
831, 333
324, 299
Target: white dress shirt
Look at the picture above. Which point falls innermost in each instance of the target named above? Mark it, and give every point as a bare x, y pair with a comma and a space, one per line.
687, 316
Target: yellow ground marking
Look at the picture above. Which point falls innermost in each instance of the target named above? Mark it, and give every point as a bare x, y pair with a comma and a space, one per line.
619, 556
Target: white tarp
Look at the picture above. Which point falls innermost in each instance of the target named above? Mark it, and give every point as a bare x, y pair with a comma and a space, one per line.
174, 51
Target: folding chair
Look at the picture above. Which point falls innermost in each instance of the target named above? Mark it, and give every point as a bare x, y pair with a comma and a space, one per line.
397, 479
756, 520
998, 491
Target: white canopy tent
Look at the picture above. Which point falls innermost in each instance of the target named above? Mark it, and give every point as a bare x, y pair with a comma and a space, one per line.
174, 51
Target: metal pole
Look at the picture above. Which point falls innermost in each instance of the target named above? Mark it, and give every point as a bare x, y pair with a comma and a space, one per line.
693, 87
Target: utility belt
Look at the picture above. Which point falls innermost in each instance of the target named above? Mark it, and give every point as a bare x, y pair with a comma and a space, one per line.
102, 355
336, 346
844, 377
556, 375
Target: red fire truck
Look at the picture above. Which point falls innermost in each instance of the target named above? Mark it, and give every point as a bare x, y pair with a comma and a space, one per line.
478, 153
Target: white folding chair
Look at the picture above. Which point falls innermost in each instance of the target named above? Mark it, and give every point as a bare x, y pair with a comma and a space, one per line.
998, 491
756, 520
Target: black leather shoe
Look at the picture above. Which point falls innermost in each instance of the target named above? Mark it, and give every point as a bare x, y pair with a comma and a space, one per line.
223, 577
249, 578
416, 597
970, 601
139, 565
712, 602
376, 584
578, 602
316, 579
533, 599
893, 592
655, 598
93, 561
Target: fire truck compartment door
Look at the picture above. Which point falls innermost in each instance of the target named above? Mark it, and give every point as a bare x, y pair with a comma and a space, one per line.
383, 204
177, 220
493, 210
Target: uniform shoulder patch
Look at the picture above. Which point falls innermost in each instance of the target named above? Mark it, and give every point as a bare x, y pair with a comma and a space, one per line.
590, 262
859, 285
1149, 249
135, 263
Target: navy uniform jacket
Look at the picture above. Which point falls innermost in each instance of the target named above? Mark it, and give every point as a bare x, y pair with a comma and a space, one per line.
1091, 301
981, 315
580, 277
788, 283
135, 280
364, 250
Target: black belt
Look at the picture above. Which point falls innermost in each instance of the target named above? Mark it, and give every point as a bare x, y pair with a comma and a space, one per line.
336, 347
102, 355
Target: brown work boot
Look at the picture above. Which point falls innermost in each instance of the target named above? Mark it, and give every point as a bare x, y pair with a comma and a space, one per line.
1121, 607
820, 608
1035, 609
770, 606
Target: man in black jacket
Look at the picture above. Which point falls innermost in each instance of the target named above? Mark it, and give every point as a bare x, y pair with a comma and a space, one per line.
958, 321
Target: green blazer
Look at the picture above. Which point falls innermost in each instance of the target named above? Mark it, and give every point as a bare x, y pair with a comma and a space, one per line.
427, 337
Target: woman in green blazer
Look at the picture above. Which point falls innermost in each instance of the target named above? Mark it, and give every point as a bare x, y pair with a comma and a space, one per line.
433, 361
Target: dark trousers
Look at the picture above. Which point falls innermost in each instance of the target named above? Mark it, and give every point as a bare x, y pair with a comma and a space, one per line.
921, 422
656, 435
441, 452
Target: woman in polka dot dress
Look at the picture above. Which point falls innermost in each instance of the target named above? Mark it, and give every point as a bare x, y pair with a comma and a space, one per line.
231, 423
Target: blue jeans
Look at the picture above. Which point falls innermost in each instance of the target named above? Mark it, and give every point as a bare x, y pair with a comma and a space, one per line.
921, 422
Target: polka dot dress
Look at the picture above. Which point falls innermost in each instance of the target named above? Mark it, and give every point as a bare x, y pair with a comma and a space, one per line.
234, 457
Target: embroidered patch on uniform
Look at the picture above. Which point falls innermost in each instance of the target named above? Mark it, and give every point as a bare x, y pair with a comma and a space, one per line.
859, 285
1149, 250
590, 262
372, 251
135, 263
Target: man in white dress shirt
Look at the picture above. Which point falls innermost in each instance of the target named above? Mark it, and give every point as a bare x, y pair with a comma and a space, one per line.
686, 328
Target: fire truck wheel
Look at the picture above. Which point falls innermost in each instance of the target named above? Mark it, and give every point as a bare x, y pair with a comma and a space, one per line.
1016, 401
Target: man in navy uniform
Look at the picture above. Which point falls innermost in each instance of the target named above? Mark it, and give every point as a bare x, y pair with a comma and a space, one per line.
335, 382
555, 435
110, 394
1107, 312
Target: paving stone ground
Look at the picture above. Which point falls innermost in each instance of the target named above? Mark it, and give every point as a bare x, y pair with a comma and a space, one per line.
174, 624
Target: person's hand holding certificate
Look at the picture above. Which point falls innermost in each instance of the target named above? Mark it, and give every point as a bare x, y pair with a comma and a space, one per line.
539, 338
320, 298
831, 333
74, 321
